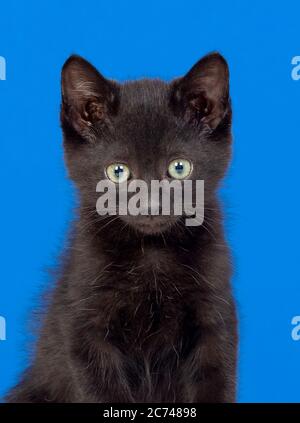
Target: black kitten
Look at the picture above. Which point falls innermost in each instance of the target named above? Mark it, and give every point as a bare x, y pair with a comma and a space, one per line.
143, 310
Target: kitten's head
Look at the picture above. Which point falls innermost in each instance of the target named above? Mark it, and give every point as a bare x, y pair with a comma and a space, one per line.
146, 130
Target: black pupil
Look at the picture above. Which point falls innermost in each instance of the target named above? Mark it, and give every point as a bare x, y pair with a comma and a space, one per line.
118, 171
179, 167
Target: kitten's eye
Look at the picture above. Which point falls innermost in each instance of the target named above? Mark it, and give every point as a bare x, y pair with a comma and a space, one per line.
118, 172
179, 168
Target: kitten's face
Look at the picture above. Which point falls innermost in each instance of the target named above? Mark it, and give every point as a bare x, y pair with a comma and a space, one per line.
146, 130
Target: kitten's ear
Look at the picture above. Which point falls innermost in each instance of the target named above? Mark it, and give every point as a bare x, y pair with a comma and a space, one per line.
87, 97
202, 95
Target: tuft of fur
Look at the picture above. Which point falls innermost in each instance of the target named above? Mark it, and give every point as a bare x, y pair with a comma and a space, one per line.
135, 316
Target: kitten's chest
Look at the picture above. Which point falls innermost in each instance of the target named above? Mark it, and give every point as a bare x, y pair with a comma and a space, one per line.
152, 319
151, 306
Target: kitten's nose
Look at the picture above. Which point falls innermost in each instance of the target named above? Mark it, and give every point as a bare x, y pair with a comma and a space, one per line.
153, 209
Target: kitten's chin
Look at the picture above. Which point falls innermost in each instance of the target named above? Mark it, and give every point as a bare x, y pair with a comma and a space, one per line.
149, 229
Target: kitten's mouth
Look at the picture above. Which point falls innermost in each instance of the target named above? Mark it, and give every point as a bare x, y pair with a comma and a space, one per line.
151, 225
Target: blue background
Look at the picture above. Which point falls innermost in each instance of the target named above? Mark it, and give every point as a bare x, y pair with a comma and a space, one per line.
132, 39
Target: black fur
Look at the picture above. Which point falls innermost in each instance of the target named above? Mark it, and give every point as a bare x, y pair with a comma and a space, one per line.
143, 310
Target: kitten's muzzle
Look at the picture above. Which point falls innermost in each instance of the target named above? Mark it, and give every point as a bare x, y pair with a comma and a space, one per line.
150, 224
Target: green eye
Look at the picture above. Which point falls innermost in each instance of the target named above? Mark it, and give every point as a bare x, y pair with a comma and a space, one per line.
180, 168
118, 172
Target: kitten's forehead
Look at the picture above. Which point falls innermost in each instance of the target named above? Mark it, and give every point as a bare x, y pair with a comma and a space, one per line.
145, 93
144, 113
